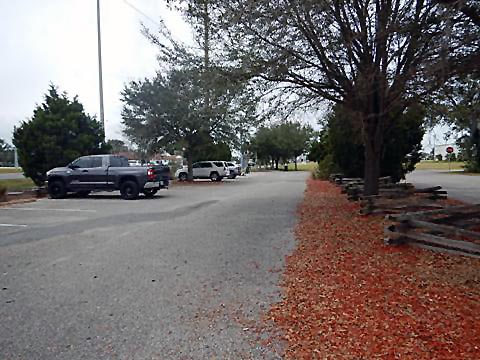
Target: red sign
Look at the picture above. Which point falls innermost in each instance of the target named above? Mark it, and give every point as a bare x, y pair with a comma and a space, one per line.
449, 149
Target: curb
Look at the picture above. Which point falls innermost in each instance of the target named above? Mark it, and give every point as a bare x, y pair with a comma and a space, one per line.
23, 196
19, 201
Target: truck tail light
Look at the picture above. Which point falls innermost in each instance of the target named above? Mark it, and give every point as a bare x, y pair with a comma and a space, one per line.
151, 174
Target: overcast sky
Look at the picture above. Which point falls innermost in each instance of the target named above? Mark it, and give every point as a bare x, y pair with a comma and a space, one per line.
56, 41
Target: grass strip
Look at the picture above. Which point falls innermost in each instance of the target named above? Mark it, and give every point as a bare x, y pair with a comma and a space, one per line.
17, 184
439, 165
10, 170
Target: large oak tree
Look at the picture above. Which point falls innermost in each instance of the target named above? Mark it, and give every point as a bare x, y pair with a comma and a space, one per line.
193, 100
375, 57
170, 110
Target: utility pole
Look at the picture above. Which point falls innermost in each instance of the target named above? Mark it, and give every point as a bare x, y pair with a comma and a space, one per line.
100, 78
15, 157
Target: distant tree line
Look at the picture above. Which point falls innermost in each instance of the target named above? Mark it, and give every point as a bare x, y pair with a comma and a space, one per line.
281, 142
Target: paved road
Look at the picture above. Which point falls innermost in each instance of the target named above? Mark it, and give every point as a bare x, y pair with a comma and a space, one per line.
180, 276
462, 187
9, 176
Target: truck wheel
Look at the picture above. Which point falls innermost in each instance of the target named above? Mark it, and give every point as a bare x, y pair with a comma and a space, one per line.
214, 176
182, 177
149, 193
129, 190
56, 189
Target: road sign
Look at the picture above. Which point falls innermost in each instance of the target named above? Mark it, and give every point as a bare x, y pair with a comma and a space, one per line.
450, 149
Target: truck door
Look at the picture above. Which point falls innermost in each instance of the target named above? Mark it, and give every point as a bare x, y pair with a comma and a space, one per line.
115, 162
89, 173
77, 177
97, 173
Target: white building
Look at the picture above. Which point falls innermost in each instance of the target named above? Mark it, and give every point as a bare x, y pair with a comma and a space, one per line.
302, 158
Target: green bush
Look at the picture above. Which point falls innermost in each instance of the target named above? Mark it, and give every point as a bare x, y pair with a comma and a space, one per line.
58, 132
326, 167
316, 173
471, 166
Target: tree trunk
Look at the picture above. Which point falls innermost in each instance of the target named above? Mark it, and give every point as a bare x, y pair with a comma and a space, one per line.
276, 164
476, 150
206, 35
374, 134
206, 57
473, 152
372, 169
296, 163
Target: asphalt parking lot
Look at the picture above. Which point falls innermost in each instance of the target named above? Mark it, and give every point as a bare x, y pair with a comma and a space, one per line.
181, 276
459, 186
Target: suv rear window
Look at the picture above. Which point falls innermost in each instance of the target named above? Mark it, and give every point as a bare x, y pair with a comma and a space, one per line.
218, 163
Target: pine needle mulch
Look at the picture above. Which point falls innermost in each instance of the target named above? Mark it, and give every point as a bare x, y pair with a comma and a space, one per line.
346, 295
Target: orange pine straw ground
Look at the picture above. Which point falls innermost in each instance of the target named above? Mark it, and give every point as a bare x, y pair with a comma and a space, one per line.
349, 296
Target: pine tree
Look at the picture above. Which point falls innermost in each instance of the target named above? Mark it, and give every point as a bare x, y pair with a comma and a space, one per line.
58, 132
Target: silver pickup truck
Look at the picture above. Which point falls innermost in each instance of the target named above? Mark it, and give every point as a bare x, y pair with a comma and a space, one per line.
106, 173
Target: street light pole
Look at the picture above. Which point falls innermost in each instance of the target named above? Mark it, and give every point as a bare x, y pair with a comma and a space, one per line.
100, 77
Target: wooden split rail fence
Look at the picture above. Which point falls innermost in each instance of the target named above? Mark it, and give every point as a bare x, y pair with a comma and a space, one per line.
403, 198
417, 218
392, 197
454, 229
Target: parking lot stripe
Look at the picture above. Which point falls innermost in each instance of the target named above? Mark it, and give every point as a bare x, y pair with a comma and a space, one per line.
46, 209
12, 225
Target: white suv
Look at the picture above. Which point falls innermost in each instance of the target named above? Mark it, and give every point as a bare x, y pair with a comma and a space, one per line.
213, 170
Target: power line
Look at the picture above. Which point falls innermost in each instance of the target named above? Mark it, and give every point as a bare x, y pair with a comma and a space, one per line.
158, 23
100, 77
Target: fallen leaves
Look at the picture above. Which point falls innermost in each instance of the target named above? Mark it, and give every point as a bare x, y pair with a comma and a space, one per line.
349, 296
